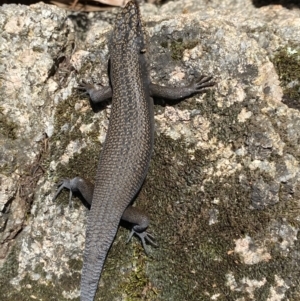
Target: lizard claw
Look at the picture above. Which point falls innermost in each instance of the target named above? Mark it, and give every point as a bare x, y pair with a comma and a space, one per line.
85, 86
64, 183
97, 95
203, 82
144, 237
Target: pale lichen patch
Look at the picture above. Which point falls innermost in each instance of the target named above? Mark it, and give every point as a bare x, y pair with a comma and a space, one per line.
277, 292
249, 252
245, 284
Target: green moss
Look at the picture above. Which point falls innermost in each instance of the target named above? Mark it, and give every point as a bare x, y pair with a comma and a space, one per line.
178, 46
224, 123
75, 264
38, 49
125, 272
287, 64
164, 44
195, 257
83, 163
69, 283
39, 269
8, 127
65, 115
10, 267
33, 290
137, 285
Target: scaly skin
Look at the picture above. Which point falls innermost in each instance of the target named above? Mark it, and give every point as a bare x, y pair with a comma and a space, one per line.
127, 150
126, 153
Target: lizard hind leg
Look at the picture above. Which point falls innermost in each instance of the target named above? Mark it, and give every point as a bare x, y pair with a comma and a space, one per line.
133, 215
140, 223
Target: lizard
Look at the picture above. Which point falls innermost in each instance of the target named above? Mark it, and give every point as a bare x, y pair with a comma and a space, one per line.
126, 153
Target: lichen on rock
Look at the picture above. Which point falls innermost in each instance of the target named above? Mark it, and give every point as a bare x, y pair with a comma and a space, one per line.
223, 186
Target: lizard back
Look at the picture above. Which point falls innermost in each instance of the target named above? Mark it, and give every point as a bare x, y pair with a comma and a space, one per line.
126, 153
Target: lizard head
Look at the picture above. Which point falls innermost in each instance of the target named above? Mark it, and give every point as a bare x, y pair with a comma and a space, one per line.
129, 30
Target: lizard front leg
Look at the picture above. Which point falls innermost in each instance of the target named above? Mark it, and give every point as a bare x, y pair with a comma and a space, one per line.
96, 95
197, 86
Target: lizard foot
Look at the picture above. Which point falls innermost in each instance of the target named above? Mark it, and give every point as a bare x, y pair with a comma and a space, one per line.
203, 82
144, 237
65, 183
86, 87
96, 94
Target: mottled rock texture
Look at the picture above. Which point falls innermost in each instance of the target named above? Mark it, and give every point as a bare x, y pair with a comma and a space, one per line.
223, 189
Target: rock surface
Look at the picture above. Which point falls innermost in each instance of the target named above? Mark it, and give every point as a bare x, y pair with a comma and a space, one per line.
223, 189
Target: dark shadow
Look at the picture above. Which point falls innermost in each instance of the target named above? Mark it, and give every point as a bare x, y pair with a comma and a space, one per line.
293, 103
290, 4
98, 107
82, 199
172, 102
